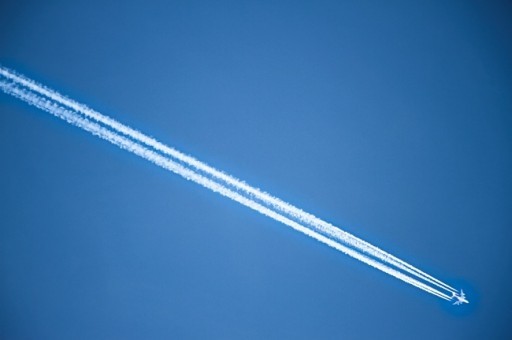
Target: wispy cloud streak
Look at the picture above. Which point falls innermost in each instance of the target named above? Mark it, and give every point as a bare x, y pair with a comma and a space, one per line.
215, 180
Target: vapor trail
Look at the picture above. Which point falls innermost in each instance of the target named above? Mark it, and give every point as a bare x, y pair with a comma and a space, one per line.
35, 95
265, 198
293, 212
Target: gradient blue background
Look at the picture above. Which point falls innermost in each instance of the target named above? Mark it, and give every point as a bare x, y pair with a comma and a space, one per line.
392, 121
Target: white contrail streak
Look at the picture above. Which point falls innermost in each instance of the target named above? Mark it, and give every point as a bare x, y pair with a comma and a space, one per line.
265, 198
35, 94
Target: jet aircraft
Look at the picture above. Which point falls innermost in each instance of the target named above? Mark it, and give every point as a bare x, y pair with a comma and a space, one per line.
459, 298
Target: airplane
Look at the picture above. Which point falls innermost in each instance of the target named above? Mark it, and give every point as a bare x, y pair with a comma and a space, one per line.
459, 298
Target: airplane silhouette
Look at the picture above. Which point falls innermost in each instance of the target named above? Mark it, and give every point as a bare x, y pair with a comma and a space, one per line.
459, 298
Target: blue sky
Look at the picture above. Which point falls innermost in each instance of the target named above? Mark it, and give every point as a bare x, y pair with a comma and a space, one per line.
391, 121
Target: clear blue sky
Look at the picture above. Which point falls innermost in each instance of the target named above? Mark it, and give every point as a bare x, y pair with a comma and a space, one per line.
392, 121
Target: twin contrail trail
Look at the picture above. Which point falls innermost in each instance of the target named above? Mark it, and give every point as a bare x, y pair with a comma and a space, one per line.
192, 169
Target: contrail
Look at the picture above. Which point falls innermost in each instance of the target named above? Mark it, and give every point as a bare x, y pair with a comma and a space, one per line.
139, 144
265, 198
